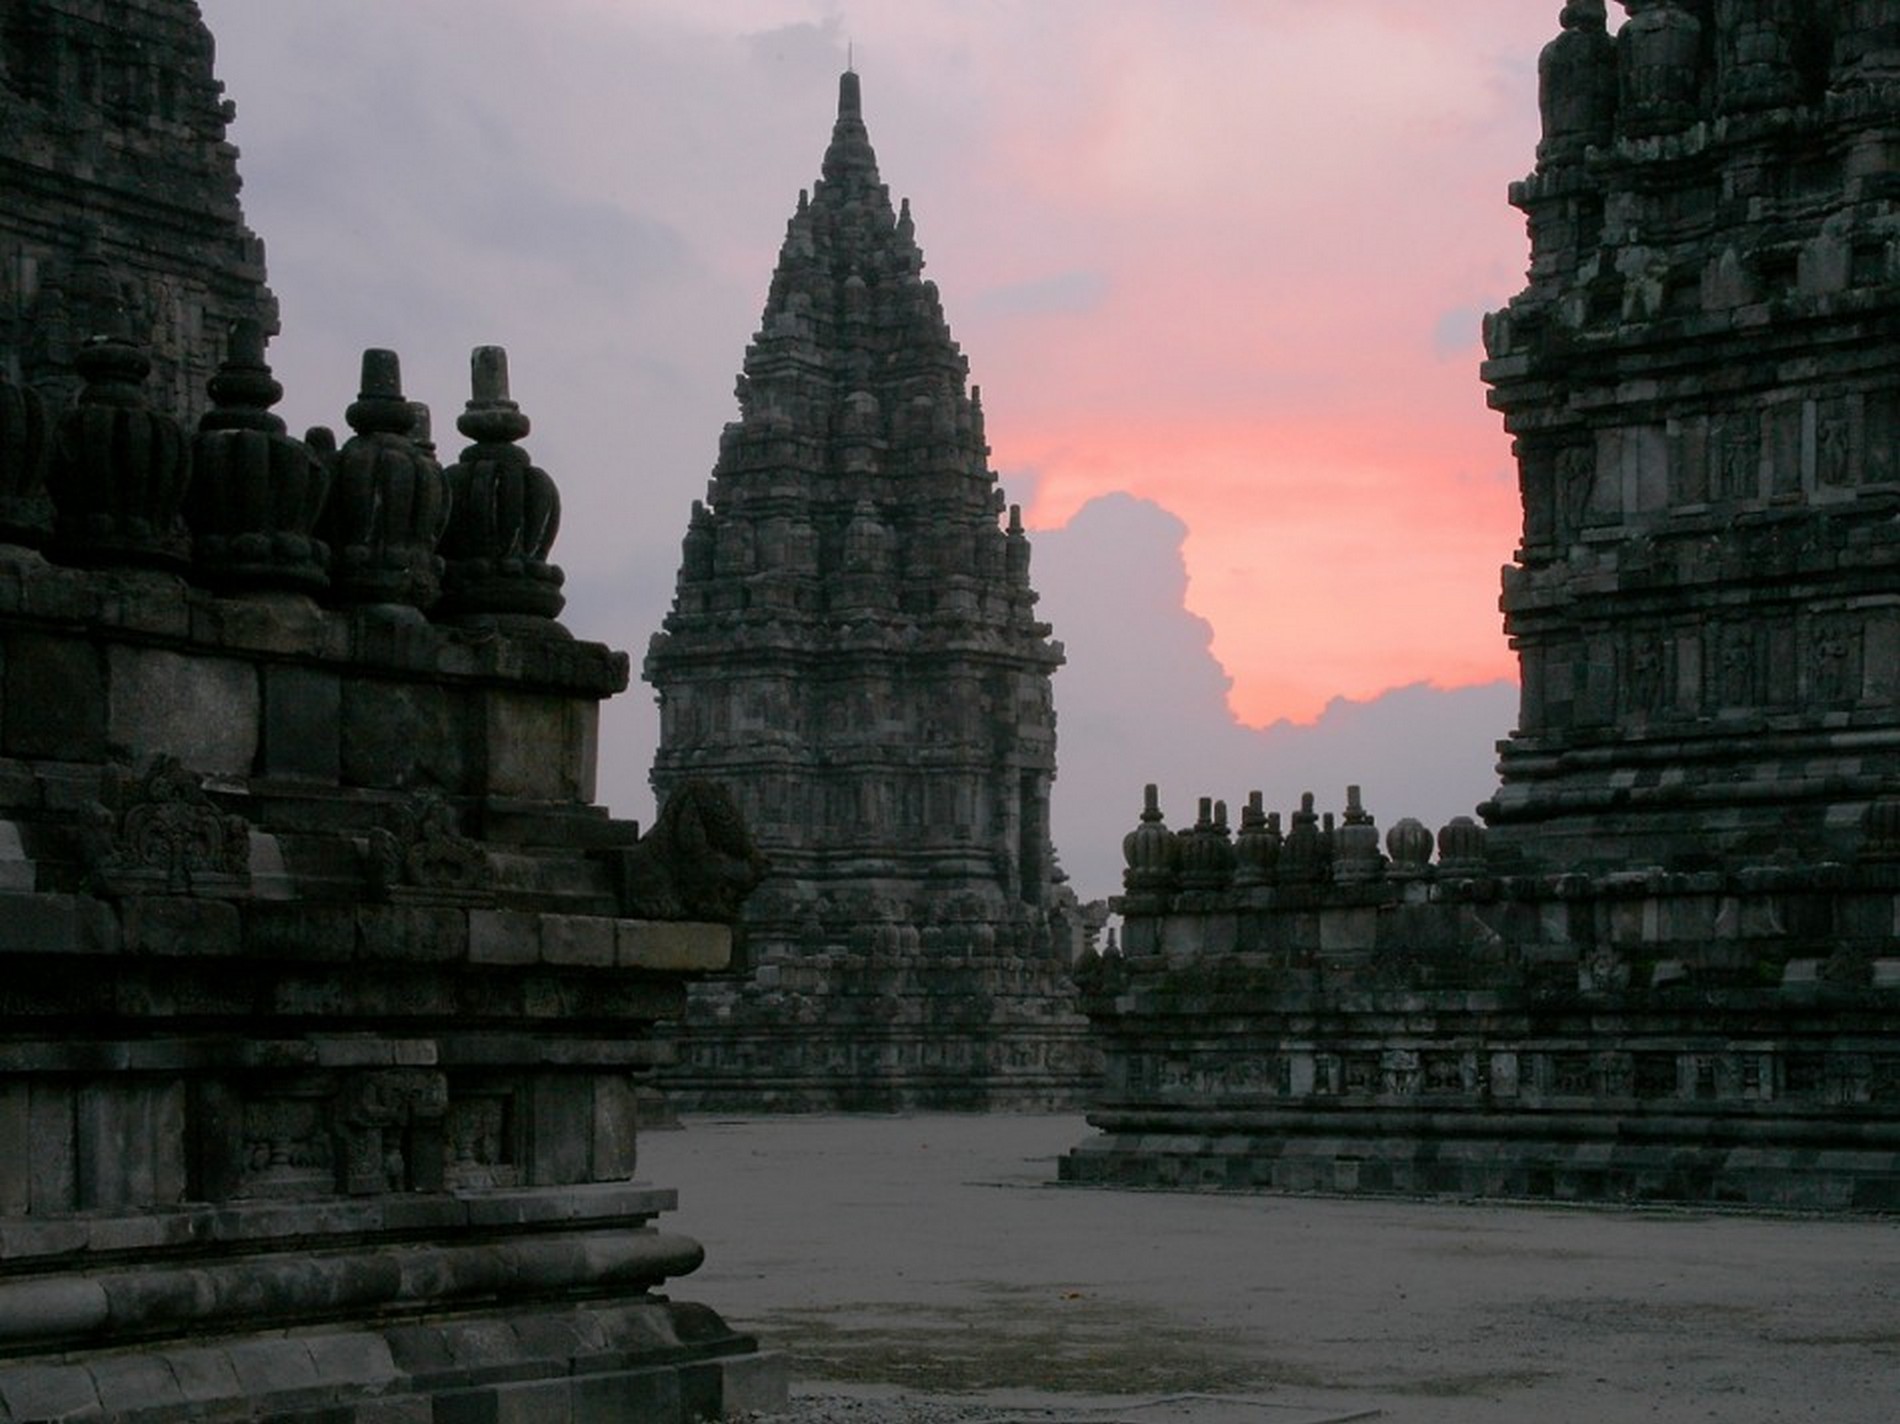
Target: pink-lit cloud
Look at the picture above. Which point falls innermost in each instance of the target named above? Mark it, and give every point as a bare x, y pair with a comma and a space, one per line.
1225, 255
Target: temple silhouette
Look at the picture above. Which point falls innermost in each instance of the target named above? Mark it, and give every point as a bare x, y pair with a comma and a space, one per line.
853, 652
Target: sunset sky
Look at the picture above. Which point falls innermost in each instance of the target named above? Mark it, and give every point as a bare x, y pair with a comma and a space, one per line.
1222, 261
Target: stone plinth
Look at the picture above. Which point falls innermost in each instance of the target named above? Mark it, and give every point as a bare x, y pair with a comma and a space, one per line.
325, 1010
1438, 1028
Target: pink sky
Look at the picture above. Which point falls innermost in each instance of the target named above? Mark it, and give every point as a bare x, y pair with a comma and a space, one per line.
1229, 256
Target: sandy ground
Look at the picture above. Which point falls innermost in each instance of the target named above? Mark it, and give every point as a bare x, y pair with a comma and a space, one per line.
929, 1257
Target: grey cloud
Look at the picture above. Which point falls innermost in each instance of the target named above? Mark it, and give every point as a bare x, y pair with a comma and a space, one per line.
1143, 699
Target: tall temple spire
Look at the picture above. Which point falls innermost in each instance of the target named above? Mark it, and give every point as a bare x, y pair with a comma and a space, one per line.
853, 648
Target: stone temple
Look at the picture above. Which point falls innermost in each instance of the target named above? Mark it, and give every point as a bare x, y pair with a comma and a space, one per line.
1669, 966
326, 991
121, 195
854, 652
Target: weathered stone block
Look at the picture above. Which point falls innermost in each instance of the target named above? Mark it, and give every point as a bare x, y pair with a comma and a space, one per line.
560, 1129
673, 946
358, 1359
532, 750
50, 1148
578, 939
125, 1383
204, 711
526, 1402
55, 702
39, 1392
413, 934
303, 723
300, 931
272, 1367
650, 1394
403, 735
37, 1310
615, 1121
15, 1194
503, 937
176, 926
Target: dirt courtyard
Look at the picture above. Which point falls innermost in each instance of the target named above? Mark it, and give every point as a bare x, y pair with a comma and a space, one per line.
930, 1256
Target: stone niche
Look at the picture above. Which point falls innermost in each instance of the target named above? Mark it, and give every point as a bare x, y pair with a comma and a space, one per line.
326, 993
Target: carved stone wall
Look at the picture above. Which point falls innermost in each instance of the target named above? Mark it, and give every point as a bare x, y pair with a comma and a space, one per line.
1337, 1018
1670, 966
122, 212
1703, 385
853, 651
326, 991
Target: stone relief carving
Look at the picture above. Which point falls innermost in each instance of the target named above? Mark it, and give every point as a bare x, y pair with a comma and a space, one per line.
697, 863
422, 856
169, 837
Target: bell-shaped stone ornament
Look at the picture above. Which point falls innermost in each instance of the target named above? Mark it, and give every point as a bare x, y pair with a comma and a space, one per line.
1257, 847
1206, 857
1576, 85
256, 492
504, 512
1756, 53
389, 503
1356, 857
1149, 851
1462, 848
120, 468
1659, 69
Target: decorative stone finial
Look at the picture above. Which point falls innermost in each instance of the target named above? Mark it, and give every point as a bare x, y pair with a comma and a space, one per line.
504, 510
120, 468
1461, 848
1303, 856
1356, 855
1257, 847
389, 504
1206, 858
1409, 843
1659, 68
1150, 850
256, 493
1576, 76
1756, 53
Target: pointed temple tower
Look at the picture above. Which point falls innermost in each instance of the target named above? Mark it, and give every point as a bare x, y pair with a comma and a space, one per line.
1703, 380
123, 196
854, 652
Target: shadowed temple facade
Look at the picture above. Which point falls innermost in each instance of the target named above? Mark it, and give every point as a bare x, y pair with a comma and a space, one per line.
854, 652
325, 988
1668, 965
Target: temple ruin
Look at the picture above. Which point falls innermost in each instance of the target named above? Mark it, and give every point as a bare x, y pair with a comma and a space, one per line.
853, 651
1668, 965
325, 988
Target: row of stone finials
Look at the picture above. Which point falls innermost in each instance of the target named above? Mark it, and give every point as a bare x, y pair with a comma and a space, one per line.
241, 504
1676, 62
1312, 851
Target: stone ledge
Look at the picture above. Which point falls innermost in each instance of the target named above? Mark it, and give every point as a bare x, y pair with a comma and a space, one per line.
197, 1296
684, 947
38, 1242
602, 1363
